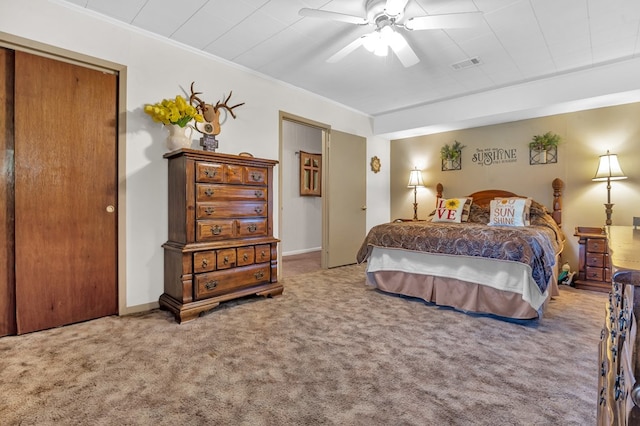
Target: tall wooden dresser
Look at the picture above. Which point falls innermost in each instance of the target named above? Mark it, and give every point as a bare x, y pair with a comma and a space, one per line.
221, 243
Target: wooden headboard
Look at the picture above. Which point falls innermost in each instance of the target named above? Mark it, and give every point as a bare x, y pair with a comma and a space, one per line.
483, 198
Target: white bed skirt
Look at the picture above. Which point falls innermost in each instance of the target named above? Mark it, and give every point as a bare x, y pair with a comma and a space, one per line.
480, 284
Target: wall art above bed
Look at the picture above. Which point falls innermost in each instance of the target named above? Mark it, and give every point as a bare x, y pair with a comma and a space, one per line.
451, 156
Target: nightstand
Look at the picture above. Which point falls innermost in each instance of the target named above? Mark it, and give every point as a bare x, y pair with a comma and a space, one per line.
594, 270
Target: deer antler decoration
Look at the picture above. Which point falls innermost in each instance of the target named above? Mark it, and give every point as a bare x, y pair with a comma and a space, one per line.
210, 113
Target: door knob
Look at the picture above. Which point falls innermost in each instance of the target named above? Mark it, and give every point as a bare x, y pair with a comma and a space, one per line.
110, 209
363, 208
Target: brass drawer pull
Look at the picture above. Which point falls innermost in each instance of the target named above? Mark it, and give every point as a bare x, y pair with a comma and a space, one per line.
619, 387
210, 285
205, 263
259, 194
216, 229
263, 254
259, 210
209, 210
208, 192
256, 177
259, 275
226, 260
210, 173
252, 227
245, 257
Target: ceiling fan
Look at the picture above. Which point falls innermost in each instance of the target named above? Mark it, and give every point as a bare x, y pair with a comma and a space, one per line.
387, 16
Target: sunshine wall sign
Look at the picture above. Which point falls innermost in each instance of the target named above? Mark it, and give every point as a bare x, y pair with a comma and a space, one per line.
492, 156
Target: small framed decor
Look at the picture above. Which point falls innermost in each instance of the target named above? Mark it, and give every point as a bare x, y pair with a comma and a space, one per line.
310, 174
451, 156
543, 149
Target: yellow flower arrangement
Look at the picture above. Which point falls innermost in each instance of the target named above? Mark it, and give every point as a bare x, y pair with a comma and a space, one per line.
173, 111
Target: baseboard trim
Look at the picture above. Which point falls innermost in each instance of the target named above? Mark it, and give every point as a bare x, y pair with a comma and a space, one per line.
145, 307
303, 251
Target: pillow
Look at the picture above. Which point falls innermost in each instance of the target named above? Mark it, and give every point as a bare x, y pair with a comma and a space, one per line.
509, 211
526, 213
479, 214
454, 210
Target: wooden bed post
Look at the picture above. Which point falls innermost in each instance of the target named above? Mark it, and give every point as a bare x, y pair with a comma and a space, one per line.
557, 186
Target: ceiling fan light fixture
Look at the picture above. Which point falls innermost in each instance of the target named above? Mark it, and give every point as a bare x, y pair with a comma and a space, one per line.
395, 40
385, 17
382, 49
370, 41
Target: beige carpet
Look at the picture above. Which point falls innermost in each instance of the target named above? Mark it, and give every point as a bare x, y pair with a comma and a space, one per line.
329, 351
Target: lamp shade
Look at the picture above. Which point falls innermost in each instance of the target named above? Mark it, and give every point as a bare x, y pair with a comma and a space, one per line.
609, 168
415, 179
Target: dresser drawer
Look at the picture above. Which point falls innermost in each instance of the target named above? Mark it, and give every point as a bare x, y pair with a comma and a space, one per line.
204, 261
594, 274
595, 260
245, 255
218, 209
209, 172
263, 253
219, 173
255, 175
213, 230
226, 258
596, 245
222, 282
234, 174
205, 193
251, 227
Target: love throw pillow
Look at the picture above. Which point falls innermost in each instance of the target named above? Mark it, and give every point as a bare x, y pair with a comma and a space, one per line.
454, 210
509, 212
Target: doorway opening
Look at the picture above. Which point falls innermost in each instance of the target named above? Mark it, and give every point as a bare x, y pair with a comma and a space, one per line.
303, 215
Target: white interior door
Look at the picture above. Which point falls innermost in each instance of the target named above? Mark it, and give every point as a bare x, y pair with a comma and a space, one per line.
345, 203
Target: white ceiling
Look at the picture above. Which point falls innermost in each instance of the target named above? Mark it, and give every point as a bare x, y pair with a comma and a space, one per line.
517, 41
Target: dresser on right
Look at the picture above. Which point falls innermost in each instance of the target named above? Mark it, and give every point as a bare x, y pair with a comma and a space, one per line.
618, 364
594, 268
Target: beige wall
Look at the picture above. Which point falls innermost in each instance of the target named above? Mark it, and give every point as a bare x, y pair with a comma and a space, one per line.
585, 136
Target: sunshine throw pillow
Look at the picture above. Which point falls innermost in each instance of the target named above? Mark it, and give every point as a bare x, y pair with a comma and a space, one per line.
454, 210
509, 212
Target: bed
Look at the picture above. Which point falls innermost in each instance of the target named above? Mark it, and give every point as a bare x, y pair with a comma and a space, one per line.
479, 265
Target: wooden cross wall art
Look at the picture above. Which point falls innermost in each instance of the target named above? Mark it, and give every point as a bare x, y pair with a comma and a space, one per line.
310, 174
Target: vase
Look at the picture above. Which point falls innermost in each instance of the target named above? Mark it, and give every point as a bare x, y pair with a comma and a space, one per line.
179, 137
542, 156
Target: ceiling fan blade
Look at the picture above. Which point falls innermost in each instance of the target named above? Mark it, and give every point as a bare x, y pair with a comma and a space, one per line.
334, 16
403, 51
346, 50
395, 7
451, 20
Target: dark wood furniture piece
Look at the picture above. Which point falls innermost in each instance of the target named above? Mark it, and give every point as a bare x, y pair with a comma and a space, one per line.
618, 391
594, 265
221, 243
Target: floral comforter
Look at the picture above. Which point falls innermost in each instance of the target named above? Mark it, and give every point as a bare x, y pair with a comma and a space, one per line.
536, 245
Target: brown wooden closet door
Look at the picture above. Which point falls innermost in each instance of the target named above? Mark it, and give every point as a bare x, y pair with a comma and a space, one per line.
7, 287
65, 181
